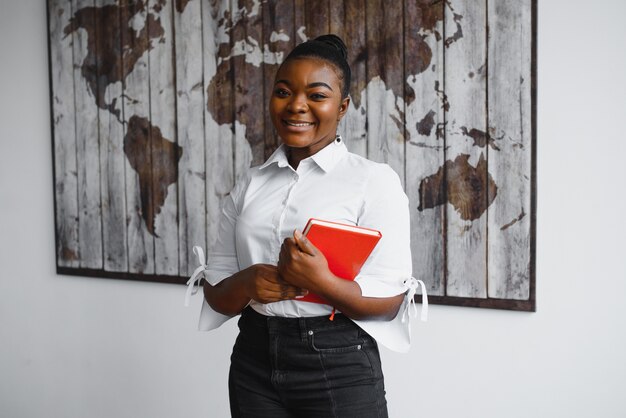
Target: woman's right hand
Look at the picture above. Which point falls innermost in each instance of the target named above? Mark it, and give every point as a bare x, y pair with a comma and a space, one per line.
264, 285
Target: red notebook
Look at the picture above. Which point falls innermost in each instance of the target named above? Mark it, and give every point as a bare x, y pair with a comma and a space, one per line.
346, 247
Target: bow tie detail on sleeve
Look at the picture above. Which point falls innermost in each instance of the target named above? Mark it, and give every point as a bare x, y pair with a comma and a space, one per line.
410, 310
197, 276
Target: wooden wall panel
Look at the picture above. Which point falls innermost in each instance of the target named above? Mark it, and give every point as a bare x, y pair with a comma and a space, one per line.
64, 134
189, 128
159, 106
249, 128
165, 153
466, 164
136, 117
510, 127
219, 110
279, 37
425, 150
385, 118
316, 18
352, 29
87, 147
113, 162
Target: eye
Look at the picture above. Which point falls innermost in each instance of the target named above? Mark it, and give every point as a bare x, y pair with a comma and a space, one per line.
318, 96
280, 92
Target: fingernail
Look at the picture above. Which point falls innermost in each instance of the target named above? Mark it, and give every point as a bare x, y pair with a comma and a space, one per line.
298, 234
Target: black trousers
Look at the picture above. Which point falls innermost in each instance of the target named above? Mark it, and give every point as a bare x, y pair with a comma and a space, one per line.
305, 367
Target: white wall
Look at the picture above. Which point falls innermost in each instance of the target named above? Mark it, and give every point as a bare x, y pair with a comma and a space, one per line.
85, 347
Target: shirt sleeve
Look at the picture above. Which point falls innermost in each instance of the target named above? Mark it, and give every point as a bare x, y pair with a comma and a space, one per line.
386, 208
222, 259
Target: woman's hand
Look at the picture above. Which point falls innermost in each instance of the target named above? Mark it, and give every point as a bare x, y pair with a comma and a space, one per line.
301, 264
264, 284
260, 282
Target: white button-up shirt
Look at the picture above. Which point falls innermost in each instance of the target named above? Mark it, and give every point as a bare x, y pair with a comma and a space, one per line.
273, 200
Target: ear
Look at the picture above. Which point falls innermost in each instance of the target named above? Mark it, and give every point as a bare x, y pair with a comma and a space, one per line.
343, 108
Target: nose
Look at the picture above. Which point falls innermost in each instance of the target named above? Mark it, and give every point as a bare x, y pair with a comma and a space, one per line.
298, 104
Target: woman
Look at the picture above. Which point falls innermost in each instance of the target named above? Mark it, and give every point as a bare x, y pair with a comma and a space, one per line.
290, 359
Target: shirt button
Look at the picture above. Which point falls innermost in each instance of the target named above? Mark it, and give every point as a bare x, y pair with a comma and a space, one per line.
310, 332
358, 347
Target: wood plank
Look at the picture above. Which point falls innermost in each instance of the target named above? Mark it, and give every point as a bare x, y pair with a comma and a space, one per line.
278, 40
425, 154
218, 129
136, 111
509, 86
190, 133
247, 72
165, 150
385, 118
348, 21
64, 134
316, 18
301, 32
466, 162
111, 138
87, 147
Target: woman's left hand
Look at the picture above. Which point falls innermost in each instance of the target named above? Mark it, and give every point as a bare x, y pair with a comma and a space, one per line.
301, 264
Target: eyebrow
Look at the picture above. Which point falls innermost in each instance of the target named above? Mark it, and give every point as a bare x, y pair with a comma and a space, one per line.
312, 85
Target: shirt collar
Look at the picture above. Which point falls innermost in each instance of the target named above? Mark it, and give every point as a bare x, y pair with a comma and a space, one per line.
279, 156
326, 158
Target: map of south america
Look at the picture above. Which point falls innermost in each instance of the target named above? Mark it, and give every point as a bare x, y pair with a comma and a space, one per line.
114, 47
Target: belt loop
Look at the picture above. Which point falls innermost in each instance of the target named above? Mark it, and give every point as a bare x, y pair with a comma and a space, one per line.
303, 329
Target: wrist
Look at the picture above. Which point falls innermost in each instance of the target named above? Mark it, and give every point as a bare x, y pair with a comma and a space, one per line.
326, 285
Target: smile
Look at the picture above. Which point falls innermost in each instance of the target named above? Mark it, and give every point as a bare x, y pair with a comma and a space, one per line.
298, 124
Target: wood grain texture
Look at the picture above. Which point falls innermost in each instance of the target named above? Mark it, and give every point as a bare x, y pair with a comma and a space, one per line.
348, 20
301, 33
279, 37
219, 122
159, 106
190, 133
64, 134
87, 147
136, 105
249, 146
164, 162
510, 124
385, 118
316, 18
425, 153
112, 159
465, 82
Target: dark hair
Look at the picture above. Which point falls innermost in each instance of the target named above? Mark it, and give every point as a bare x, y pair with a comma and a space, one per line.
329, 48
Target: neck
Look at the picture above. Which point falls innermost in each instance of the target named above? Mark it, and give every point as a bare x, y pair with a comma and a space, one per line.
295, 155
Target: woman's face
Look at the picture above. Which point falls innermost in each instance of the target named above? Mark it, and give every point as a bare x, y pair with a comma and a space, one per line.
306, 105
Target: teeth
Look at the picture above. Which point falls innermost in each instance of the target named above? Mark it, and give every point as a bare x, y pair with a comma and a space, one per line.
299, 124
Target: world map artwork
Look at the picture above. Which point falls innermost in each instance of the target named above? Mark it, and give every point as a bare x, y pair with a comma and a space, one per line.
403, 92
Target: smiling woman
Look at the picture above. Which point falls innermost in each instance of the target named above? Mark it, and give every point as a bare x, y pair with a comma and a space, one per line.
292, 357
311, 96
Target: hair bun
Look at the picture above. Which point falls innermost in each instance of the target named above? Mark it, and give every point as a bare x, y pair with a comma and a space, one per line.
335, 42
